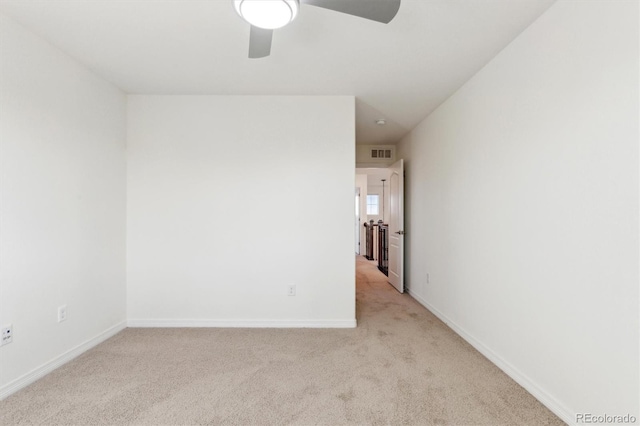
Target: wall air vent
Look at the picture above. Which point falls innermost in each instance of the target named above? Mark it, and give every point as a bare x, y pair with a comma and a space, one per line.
380, 153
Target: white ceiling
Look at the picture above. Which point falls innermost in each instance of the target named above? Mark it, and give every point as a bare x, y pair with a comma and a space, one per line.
401, 71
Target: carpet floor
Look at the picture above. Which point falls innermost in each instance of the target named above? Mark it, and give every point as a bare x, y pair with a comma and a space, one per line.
400, 366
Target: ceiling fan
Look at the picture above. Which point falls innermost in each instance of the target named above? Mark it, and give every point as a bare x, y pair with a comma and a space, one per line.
268, 15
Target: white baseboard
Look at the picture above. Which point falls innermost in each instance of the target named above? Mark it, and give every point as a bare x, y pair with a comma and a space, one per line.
540, 394
48, 367
190, 323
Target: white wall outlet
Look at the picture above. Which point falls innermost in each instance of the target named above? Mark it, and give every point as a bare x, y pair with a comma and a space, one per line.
427, 278
291, 290
7, 334
62, 313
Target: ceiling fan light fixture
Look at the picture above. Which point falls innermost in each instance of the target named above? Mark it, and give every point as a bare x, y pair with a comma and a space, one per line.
267, 14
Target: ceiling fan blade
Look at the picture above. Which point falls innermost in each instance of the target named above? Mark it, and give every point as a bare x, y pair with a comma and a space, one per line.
376, 10
260, 42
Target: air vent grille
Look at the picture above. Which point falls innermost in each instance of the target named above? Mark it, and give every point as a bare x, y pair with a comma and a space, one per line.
380, 153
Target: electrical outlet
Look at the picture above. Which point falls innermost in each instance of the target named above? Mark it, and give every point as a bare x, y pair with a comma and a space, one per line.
427, 278
62, 313
291, 290
7, 334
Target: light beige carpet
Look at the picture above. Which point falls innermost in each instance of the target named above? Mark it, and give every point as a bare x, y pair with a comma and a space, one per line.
401, 366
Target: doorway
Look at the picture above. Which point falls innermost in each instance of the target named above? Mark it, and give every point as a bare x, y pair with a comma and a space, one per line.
381, 219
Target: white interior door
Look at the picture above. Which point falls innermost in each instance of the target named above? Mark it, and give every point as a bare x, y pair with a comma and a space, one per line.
396, 226
358, 221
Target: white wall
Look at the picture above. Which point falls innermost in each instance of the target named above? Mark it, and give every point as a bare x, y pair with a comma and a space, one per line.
231, 199
62, 203
522, 192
